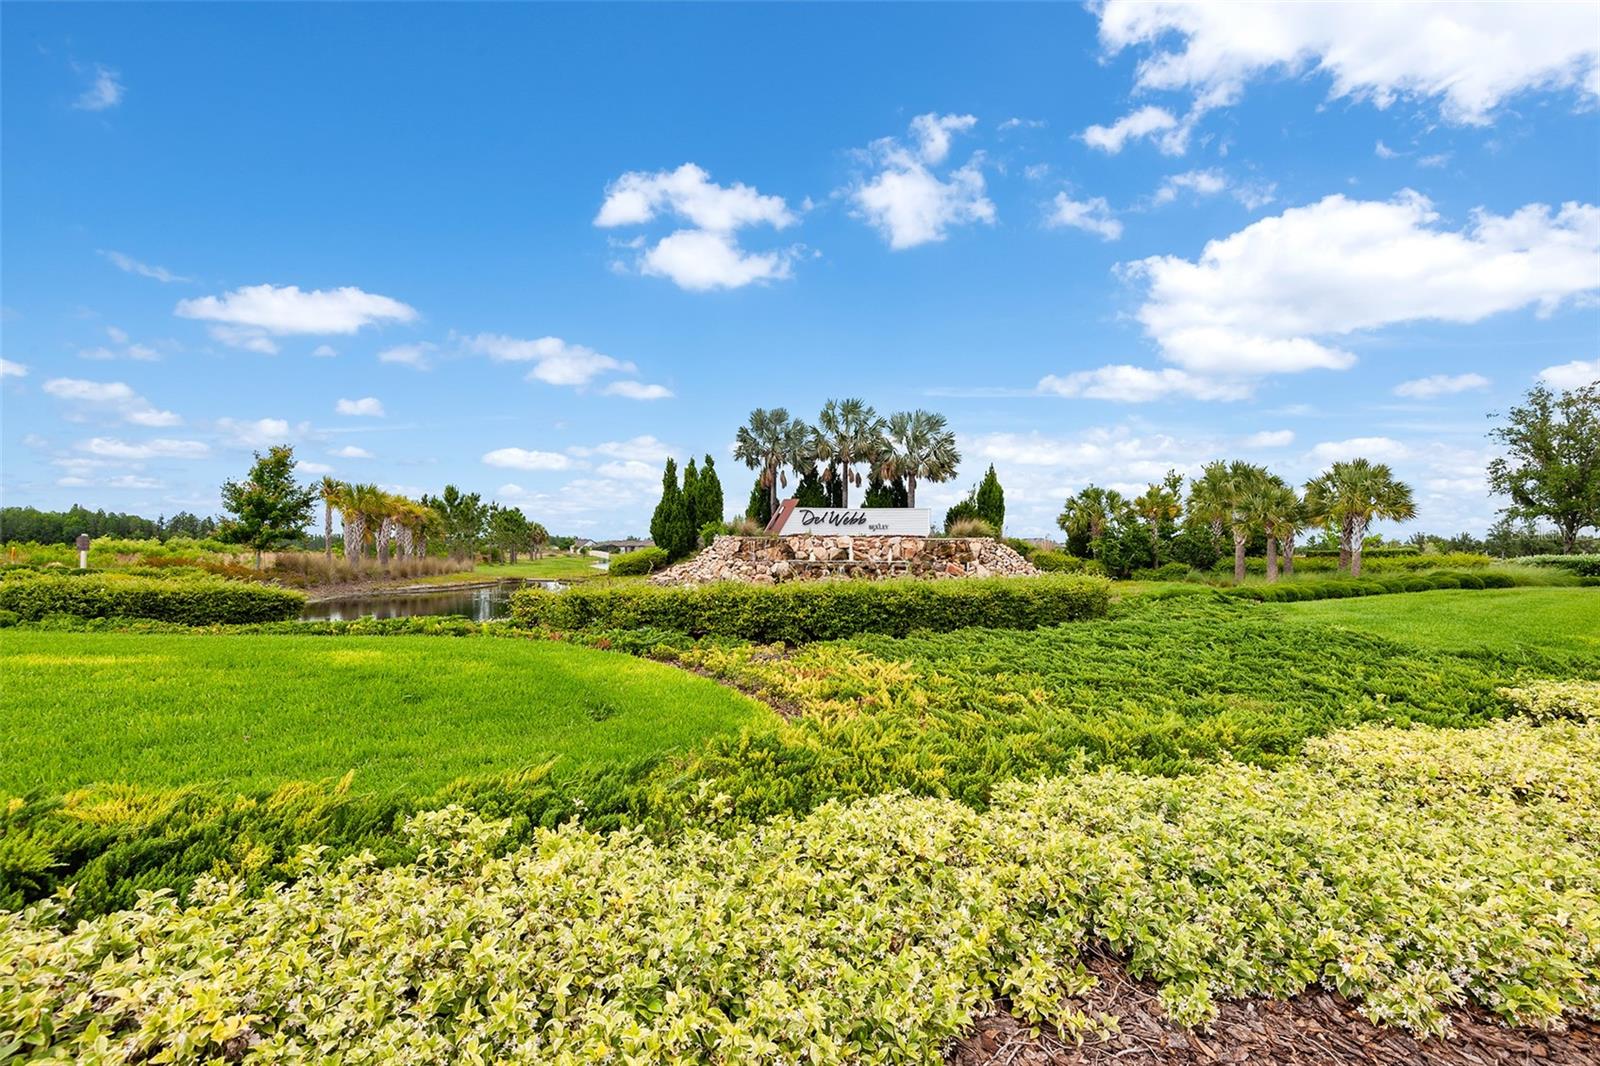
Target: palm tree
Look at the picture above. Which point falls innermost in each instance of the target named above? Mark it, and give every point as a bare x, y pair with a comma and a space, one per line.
1210, 502
848, 431
765, 444
1346, 498
1245, 493
364, 509
333, 496
1282, 514
920, 446
1089, 512
538, 536
1161, 501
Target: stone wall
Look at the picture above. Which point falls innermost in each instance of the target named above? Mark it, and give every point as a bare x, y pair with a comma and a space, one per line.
765, 560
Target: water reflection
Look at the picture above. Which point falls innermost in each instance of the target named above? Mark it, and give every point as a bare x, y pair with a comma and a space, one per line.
479, 604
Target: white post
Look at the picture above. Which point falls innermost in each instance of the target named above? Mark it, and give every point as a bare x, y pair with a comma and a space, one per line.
83, 551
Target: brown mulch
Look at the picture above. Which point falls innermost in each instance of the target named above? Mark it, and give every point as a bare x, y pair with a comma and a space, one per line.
1316, 1028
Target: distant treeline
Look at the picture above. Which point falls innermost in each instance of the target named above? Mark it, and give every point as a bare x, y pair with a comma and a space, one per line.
63, 527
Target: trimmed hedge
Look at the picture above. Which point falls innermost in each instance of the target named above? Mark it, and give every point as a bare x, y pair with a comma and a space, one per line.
188, 602
1062, 563
1582, 565
642, 561
1331, 590
799, 612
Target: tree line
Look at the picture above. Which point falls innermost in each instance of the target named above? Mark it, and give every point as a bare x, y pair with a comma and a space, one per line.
898, 452
63, 527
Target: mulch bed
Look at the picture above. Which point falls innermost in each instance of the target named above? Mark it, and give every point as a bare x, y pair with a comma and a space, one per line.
1316, 1028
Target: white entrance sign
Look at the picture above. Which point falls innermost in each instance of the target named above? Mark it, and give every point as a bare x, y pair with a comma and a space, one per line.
857, 521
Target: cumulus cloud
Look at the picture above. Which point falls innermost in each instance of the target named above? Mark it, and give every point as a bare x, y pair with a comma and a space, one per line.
906, 200
1440, 385
1270, 438
525, 459
629, 470
637, 390
113, 396
160, 448
1134, 384
286, 309
708, 255
350, 451
145, 270
245, 338
1149, 121
1266, 299
367, 406
324, 351
255, 433
1092, 216
103, 93
1469, 57
1378, 449
416, 356
1573, 375
8, 369
555, 361
643, 448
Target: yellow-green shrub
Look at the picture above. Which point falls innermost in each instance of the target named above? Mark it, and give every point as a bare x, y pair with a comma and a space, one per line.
189, 601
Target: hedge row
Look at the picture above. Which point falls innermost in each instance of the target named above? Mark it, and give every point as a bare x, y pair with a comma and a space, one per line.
800, 612
634, 563
187, 602
1582, 565
1331, 590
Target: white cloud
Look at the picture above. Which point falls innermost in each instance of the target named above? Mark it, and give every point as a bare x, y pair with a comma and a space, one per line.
688, 192
1440, 385
1438, 159
367, 406
707, 256
1211, 182
637, 390
142, 353
350, 451
524, 459
256, 433
1021, 124
413, 355
113, 395
160, 448
1378, 449
1257, 302
1383, 151
133, 266
907, 202
306, 466
555, 361
644, 448
248, 338
1134, 384
1471, 57
103, 93
933, 132
703, 260
117, 336
324, 351
8, 369
287, 309
1270, 438
1136, 125
630, 470
1092, 216
1573, 375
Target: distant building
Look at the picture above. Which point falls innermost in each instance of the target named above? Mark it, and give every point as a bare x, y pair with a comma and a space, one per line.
620, 547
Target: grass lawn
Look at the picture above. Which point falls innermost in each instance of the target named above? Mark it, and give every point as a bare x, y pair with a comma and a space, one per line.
550, 568
1501, 620
408, 714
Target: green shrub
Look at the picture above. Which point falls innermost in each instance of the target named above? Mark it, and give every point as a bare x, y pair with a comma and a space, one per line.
1411, 871
1061, 563
191, 601
9, 618
802, 611
1582, 565
1166, 572
639, 561
1021, 547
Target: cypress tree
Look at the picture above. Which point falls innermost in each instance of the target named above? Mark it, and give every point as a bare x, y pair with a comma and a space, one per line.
810, 491
759, 509
669, 525
691, 494
990, 500
709, 486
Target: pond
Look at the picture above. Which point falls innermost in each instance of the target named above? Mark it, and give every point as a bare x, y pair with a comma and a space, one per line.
480, 603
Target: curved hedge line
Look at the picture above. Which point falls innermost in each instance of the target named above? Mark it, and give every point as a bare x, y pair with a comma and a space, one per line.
1332, 590
800, 612
187, 602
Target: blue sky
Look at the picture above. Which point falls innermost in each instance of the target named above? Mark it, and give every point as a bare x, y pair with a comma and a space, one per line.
531, 250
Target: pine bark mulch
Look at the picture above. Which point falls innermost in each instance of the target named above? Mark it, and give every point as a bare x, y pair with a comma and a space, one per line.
1316, 1028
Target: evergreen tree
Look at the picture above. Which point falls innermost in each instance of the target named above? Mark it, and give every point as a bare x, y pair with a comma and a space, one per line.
881, 493
759, 509
810, 492
269, 508
670, 526
990, 501
708, 508
691, 494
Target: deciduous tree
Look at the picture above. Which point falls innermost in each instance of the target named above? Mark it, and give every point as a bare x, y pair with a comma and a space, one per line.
1551, 469
268, 508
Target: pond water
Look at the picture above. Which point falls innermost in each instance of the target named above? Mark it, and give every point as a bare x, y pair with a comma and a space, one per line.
479, 604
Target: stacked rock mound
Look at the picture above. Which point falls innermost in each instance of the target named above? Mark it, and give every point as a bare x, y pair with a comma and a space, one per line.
766, 560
